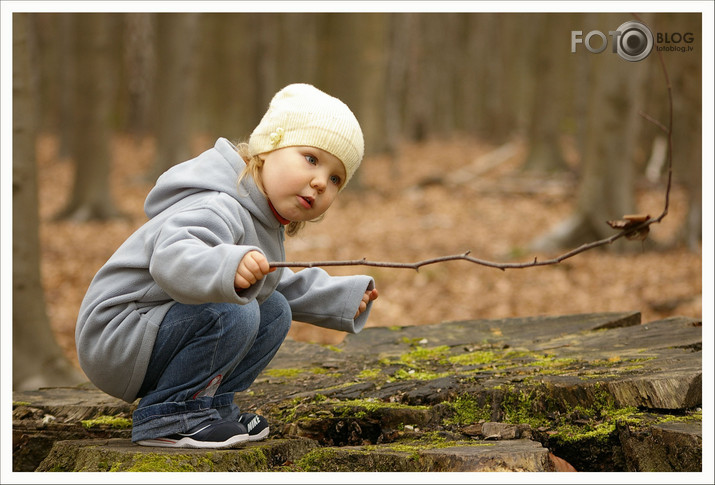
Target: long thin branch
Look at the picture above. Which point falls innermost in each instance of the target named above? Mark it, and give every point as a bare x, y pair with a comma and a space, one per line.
629, 231
465, 257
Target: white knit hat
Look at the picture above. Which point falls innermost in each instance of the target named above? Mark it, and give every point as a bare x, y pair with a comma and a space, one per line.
302, 115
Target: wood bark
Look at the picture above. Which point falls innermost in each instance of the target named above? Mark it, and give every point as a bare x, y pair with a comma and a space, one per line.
140, 61
37, 359
686, 72
176, 75
546, 110
94, 88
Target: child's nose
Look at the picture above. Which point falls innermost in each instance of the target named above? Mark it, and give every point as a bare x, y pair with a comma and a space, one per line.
318, 184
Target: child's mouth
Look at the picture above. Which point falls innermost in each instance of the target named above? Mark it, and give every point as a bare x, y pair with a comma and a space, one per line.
306, 202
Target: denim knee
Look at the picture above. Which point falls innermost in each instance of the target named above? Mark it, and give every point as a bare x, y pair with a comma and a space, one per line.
276, 310
241, 322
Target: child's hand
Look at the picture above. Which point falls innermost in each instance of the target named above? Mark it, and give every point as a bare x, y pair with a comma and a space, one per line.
253, 267
366, 298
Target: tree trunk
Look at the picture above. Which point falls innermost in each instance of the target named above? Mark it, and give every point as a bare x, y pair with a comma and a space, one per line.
606, 187
176, 75
494, 120
67, 79
373, 30
399, 25
140, 61
685, 72
94, 84
468, 87
417, 107
546, 113
37, 359
370, 100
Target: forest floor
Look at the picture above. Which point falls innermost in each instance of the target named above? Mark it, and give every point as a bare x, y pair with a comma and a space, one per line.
403, 213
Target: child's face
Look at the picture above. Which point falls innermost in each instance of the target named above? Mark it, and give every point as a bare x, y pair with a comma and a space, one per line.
301, 182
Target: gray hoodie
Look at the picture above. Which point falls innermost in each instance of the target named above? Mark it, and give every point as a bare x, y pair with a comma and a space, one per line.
200, 226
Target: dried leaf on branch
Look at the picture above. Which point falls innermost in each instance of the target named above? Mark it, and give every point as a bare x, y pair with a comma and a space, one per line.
633, 226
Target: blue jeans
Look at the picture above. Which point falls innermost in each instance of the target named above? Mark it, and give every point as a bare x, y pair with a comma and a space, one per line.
204, 354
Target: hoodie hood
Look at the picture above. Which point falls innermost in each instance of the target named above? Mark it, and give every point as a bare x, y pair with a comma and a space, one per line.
215, 170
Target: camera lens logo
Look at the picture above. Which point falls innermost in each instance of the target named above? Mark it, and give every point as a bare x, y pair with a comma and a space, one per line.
634, 41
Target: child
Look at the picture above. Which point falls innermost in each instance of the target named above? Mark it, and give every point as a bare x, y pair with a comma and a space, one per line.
187, 311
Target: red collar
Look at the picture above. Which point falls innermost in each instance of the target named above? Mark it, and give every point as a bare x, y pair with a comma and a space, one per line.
280, 218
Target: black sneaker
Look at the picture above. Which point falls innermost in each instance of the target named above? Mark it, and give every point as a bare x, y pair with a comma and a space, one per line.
256, 425
215, 434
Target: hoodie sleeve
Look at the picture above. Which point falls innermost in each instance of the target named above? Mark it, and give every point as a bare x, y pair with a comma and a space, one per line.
195, 256
327, 301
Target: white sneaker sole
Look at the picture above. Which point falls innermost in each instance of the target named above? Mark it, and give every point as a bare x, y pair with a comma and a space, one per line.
259, 436
188, 442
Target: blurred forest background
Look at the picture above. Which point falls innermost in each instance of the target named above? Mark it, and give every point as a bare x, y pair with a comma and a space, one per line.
484, 132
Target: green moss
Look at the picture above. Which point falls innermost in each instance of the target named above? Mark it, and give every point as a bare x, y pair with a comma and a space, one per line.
467, 409
679, 419
413, 361
324, 371
473, 358
333, 348
500, 360
342, 385
248, 459
288, 373
618, 361
369, 373
343, 460
426, 441
114, 422
319, 398
288, 415
315, 460
417, 375
596, 375
420, 353
519, 408
412, 341
552, 362
546, 364
634, 417
20, 403
570, 434
517, 354
358, 408
153, 462
536, 407
601, 416
432, 437
347, 408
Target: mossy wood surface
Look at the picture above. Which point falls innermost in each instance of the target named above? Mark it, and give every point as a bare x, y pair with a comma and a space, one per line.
596, 392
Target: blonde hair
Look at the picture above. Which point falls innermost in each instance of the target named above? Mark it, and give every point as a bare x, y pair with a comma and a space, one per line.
254, 166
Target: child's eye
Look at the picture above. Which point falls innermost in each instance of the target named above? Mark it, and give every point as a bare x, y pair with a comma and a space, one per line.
335, 179
311, 159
